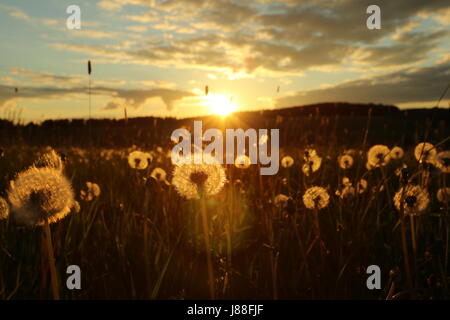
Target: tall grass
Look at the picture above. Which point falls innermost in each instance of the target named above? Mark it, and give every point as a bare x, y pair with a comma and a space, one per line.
141, 240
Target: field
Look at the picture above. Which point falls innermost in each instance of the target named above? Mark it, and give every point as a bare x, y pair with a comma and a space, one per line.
138, 238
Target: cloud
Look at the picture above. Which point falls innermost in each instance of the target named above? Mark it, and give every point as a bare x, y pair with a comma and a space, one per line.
45, 77
408, 85
282, 37
19, 14
134, 98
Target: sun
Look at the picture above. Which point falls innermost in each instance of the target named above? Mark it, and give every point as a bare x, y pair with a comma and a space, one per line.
221, 104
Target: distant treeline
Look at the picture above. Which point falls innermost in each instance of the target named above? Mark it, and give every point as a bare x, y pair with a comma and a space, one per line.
325, 123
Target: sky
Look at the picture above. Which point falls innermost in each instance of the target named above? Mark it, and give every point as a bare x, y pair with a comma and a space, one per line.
155, 57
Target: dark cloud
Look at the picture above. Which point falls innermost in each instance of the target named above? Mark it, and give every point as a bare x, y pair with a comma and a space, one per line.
134, 98
409, 85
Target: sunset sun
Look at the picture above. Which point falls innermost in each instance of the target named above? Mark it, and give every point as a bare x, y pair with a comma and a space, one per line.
221, 104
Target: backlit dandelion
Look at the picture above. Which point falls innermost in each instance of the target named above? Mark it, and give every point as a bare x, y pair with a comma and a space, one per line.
415, 199
316, 198
242, 162
287, 162
281, 201
38, 194
312, 162
361, 186
378, 156
139, 160
345, 161
442, 161
91, 192
191, 180
159, 175
346, 190
443, 195
4, 209
425, 152
397, 153
50, 159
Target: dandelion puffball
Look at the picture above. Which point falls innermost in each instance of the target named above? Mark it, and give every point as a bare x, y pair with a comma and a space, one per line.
397, 153
425, 152
139, 160
50, 159
196, 179
91, 192
287, 162
316, 198
242, 162
378, 156
158, 174
442, 161
443, 195
38, 194
281, 200
415, 199
345, 161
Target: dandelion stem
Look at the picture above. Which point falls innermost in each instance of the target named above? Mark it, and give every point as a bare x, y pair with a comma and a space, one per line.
405, 245
207, 248
51, 260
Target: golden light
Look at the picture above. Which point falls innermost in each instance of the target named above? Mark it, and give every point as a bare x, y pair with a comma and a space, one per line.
221, 104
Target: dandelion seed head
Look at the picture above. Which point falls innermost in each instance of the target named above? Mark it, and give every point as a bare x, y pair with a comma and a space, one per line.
316, 198
91, 192
425, 152
378, 156
194, 179
159, 174
443, 195
139, 160
287, 162
397, 153
442, 161
345, 161
361, 186
415, 199
50, 159
281, 201
38, 194
242, 162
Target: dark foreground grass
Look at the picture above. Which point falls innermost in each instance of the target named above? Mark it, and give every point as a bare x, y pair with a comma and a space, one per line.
141, 240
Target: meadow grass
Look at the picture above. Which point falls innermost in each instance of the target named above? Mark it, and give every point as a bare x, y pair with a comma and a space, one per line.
139, 239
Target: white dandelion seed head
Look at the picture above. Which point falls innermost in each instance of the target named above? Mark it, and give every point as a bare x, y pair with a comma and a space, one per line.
346, 190
287, 162
313, 162
281, 201
378, 156
425, 152
242, 162
361, 186
91, 192
316, 198
38, 194
158, 174
415, 199
442, 161
139, 160
50, 159
345, 161
397, 153
192, 180
4, 209
443, 195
